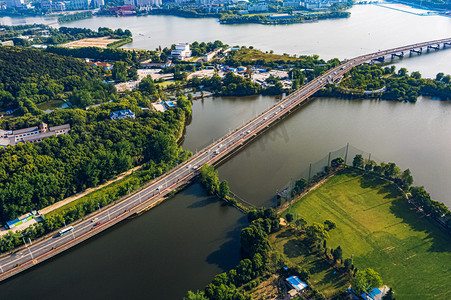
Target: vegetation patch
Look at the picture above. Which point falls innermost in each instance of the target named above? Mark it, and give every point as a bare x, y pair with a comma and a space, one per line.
378, 228
324, 276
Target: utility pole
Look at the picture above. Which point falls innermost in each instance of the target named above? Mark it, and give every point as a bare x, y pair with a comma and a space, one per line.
73, 235
30, 241
309, 174
98, 204
346, 154
328, 161
31, 254
26, 246
1, 268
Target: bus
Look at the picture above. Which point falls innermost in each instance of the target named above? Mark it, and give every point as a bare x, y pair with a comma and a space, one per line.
65, 230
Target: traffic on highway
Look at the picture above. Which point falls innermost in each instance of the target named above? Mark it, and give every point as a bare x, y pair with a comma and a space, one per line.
154, 192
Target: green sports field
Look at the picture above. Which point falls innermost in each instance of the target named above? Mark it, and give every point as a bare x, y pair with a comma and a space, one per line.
376, 224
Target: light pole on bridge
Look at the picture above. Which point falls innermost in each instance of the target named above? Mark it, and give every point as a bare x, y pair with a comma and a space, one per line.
26, 246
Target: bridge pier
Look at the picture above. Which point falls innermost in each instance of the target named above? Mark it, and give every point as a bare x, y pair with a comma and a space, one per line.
436, 48
397, 55
381, 59
419, 52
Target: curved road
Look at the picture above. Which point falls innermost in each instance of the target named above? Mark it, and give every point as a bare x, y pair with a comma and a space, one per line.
154, 192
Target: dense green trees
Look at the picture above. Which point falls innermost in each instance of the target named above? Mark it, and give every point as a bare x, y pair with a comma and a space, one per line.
95, 53
358, 161
31, 76
231, 85
437, 209
185, 105
316, 233
209, 178
337, 254
365, 281
97, 148
198, 49
404, 179
75, 17
147, 86
255, 253
399, 86
119, 71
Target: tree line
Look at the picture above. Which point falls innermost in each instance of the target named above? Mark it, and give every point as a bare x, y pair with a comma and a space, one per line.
29, 77
404, 180
399, 85
255, 249
36, 175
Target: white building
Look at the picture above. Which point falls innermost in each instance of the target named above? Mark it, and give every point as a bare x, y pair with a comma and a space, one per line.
46, 4
260, 7
291, 3
14, 3
181, 51
7, 43
98, 3
31, 134
320, 4
210, 55
79, 4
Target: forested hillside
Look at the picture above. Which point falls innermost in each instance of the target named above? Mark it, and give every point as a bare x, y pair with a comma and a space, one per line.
29, 76
33, 176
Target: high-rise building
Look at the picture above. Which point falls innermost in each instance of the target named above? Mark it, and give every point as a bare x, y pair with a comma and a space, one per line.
79, 4
14, 3
98, 3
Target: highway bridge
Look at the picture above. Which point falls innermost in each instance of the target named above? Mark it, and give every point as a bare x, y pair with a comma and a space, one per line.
154, 192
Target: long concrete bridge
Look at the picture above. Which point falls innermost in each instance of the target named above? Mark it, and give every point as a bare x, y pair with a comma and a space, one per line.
154, 192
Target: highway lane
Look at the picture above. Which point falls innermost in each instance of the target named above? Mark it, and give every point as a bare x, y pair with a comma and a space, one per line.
183, 173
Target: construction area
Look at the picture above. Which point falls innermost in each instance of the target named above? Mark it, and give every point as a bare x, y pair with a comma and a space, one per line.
101, 42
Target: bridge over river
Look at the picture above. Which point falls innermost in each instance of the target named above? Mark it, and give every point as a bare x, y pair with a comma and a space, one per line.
155, 192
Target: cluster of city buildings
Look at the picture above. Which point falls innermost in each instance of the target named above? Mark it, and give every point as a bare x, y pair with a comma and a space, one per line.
57, 5
312, 4
213, 6
32, 134
244, 7
143, 4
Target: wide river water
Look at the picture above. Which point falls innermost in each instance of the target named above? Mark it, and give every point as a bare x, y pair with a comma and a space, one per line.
182, 243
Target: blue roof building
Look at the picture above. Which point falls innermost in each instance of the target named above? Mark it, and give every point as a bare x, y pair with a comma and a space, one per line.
122, 114
375, 294
169, 104
296, 283
21, 220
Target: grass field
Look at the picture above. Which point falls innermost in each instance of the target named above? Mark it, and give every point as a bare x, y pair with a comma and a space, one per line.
323, 276
251, 55
376, 224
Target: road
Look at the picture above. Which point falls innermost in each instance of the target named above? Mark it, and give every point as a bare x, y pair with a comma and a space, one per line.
155, 191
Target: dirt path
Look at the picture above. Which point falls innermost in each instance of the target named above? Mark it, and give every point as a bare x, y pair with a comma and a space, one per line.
68, 200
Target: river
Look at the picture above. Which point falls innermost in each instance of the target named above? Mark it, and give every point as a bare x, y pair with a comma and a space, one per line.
182, 243
369, 29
